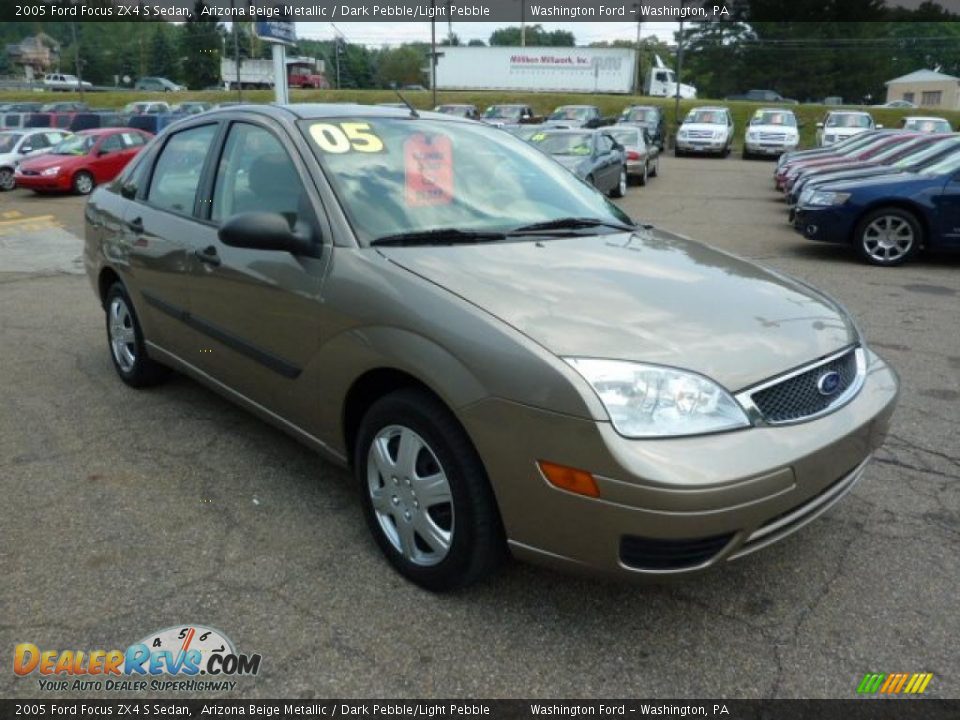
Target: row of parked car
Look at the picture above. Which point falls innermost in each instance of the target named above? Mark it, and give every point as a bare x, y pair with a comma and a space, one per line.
73, 116
886, 193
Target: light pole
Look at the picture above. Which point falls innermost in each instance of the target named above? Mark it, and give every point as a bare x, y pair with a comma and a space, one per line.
76, 59
639, 87
433, 50
236, 49
676, 104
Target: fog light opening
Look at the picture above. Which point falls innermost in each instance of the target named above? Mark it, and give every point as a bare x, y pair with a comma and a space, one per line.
812, 229
570, 479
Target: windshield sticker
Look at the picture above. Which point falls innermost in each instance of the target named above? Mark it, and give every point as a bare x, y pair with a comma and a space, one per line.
345, 137
428, 169
538, 137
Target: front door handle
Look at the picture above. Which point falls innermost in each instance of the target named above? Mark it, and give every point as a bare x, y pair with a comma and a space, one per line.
136, 224
208, 255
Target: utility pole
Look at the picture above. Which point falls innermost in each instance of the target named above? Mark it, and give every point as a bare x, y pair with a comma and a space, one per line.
523, 23
236, 49
676, 104
639, 83
76, 59
337, 49
433, 50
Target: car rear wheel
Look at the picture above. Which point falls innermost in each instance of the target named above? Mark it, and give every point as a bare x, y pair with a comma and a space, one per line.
125, 338
888, 236
83, 183
656, 167
7, 180
425, 494
620, 189
646, 174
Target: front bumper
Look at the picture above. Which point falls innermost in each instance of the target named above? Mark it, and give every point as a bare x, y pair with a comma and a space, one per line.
701, 146
676, 506
43, 182
772, 149
827, 224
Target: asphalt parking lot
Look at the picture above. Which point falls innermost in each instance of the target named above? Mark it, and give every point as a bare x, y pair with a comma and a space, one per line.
125, 512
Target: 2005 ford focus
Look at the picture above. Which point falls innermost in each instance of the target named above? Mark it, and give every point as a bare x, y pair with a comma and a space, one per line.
504, 359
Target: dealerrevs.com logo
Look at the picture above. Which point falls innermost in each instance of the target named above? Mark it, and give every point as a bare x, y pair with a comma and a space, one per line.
174, 658
894, 683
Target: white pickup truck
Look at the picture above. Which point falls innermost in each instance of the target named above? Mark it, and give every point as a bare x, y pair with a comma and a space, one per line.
60, 81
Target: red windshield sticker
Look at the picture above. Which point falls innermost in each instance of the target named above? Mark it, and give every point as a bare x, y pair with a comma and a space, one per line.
428, 166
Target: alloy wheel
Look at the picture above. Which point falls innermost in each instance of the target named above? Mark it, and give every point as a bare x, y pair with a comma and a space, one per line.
83, 183
7, 181
888, 239
123, 337
411, 495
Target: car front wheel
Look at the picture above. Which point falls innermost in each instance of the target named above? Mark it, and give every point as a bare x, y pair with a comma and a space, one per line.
83, 183
888, 236
125, 338
425, 494
620, 189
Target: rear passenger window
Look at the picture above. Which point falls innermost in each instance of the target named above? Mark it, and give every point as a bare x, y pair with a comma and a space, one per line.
111, 144
176, 175
132, 140
256, 175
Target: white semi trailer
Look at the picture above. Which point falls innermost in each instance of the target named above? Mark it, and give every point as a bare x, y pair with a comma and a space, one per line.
548, 69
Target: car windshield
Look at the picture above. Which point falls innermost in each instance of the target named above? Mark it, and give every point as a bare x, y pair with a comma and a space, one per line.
706, 117
394, 175
570, 113
562, 143
8, 142
641, 115
457, 110
919, 157
625, 136
504, 112
134, 107
848, 120
947, 165
76, 145
927, 125
774, 117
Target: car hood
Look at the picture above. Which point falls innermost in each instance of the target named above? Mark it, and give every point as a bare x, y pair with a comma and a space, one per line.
844, 132
572, 162
898, 179
42, 162
851, 174
649, 296
703, 126
785, 129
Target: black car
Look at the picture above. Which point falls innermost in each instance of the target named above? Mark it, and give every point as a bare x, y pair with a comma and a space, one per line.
591, 155
647, 116
764, 96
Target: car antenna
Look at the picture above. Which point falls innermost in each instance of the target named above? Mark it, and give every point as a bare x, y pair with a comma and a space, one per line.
413, 110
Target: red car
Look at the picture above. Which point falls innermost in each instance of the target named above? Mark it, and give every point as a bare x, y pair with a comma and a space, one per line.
82, 161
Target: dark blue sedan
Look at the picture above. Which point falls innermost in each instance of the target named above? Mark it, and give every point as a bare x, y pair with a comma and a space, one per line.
888, 219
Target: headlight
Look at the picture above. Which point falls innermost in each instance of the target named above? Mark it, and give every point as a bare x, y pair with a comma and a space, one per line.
792, 139
652, 401
752, 135
805, 196
720, 134
825, 198
682, 133
51, 170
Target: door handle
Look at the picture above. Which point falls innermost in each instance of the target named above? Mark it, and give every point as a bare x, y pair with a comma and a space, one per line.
136, 224
208, 255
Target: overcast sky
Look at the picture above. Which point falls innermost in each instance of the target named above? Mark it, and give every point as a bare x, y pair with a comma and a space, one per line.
377, 34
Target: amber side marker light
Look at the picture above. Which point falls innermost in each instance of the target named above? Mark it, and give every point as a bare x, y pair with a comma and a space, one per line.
570, 479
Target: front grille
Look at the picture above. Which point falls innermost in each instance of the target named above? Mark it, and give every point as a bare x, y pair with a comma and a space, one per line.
799, 396
700, 134
772, 137
829, 138
648, 554
29, 172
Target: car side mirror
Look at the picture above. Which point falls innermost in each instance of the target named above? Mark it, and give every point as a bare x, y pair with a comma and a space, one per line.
26, 149
820, 126
128, 190
879, 127
263, 231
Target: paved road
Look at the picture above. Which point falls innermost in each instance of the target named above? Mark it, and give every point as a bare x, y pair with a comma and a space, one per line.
124, 512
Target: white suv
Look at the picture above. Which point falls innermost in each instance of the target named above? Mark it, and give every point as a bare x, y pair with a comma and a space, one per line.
771, 132
840, 124
706, 130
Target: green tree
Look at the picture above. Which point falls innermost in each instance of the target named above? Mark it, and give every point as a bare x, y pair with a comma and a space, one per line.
534, 36
163, 54
200, 44
403, 65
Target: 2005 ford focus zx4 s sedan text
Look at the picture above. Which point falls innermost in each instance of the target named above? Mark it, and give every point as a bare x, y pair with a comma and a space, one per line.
504, 358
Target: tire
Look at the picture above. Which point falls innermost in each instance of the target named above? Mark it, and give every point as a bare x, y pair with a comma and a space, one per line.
746, 155
646, 174
83, 183
888, 236
677, 152
656, 167
459, 538
620, 189
7, 180
125, 342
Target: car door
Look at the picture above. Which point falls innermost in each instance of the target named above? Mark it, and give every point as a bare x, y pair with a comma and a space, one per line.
607, 162
259, 311
948, 212
106, 158
156, 229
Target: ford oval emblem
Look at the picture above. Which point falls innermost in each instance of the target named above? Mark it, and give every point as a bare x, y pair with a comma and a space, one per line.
828, 383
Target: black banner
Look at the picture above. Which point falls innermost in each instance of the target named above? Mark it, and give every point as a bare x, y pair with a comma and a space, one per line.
503, 11
860, 709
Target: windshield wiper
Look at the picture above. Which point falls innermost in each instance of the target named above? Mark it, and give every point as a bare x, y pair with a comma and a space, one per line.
571, 223
439, 236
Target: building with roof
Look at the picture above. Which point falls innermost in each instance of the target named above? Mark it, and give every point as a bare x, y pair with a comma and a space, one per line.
926, 89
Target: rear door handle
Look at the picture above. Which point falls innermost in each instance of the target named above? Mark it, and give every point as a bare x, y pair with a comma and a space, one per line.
208, 255
136, 224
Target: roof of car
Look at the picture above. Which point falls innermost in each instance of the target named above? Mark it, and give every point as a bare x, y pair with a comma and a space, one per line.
710, 107
568, 131
309, 111
775, 109
847, 112
924, 117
